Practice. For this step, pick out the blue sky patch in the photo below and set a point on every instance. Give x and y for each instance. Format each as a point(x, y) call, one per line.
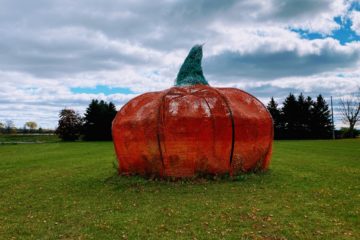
point(344, 34)
point(308, 35)
point(355, 6)
point(101, 89)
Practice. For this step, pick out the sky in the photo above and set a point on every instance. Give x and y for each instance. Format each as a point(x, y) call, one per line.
point(59, 54)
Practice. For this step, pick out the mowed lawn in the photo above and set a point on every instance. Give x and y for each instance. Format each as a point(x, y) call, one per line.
point(69, 191)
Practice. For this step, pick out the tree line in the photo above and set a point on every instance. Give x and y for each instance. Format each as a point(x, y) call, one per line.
point(94, 126)
point(8, 127)
point(298, 118)
point(301, 118)
point(304, 118)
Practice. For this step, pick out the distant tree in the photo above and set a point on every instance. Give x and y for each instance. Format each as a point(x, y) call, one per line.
point(350, 111)
point(290, 112)
point(98, 120)
point(344, 132)
point(320, 120)
point(31, 125)
point(301, 118)
point(10, 126)
point(277, 118)
point(70, 123)
point(304, 114)
point(2, 127)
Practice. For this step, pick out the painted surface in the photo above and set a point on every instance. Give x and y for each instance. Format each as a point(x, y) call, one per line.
point(193, 130)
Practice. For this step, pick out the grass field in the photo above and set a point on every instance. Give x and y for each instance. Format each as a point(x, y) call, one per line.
point(28, 138)
point(69, 191)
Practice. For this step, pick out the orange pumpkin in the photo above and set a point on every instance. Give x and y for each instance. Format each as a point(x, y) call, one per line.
point(193, 129)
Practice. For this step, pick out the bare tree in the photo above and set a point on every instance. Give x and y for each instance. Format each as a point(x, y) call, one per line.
point(10, 126)
point(2, 127)
point(350, 111)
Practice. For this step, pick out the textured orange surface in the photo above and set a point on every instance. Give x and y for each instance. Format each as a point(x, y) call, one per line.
point(193, 130)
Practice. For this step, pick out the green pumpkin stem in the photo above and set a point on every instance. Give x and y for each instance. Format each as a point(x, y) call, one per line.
point(190, 71)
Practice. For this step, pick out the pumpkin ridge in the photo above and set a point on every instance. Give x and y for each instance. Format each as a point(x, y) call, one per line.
point(159, 121)
point(226, 101)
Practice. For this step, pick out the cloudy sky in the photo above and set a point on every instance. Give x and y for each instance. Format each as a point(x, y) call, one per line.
point(63, 53)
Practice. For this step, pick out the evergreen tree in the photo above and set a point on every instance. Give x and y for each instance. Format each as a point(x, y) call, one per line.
point(301, 121)
point(277, 118)
point(98, 120)
point(70, 123)
point(290, 112)
point(321, 125)
point(301, 118)
point(310, 105)
point(304, 115)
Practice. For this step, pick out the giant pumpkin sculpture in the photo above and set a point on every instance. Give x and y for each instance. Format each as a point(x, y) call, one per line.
point(193, 129)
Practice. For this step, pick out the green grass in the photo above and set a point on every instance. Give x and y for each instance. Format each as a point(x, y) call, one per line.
point(69, 191)
point(27, 138)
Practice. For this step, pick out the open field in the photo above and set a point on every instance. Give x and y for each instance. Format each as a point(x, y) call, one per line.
point(28, 138)
point(69, 191)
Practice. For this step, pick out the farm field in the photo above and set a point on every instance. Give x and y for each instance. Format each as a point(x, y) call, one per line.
point(71, 191)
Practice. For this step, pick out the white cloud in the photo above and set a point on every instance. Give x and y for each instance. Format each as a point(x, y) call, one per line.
point(319, 16)
point(355, 18)
point(49, 47)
